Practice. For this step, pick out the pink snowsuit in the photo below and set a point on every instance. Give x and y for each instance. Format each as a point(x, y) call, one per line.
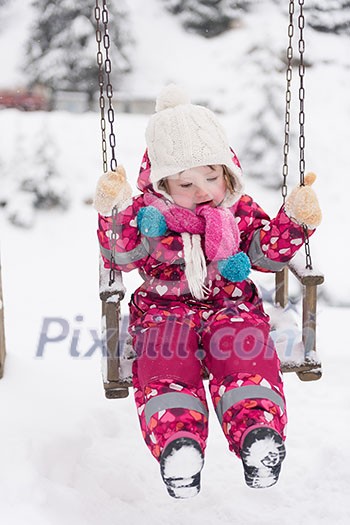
point(176, 337)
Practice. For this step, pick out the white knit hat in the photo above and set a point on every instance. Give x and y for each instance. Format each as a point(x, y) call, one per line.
point(181, 136)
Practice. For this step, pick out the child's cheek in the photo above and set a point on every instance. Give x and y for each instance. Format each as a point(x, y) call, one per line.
point(184, 201)
point(220, 195)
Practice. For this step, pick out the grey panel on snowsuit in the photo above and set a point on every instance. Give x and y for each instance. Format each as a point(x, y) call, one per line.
point(173, 400)
point(234, 396)
point(258, 258)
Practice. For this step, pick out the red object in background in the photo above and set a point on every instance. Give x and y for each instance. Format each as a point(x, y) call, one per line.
point(24, 100)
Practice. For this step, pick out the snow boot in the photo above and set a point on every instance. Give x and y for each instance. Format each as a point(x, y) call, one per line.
point(181, 463)
point(262, 453)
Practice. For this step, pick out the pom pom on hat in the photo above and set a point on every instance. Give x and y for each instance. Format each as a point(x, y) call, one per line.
point(170, 97)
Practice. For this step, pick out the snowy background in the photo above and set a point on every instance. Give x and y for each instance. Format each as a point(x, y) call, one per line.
point(69, 455)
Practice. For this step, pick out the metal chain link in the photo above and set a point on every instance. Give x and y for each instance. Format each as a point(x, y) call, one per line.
point(113, 245)
point(109, 88)
point(289, 73)
point(308, 264)
point(100, 63)
point(301, 26)
point(104, 72)
point(112, 139)
point(301, 48)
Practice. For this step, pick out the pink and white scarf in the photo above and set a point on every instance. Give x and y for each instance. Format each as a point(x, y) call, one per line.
point(221, 237)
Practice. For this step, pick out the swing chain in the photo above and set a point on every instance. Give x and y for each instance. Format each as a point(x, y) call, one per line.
point(308, 264)
point(113, 245)
point(289, 73)
point(301, 25)
point(301, 48)
point(104, 72)
point(109, 88)
point(101, 85)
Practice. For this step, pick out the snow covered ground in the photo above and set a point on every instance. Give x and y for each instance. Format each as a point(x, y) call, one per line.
point(68, 454)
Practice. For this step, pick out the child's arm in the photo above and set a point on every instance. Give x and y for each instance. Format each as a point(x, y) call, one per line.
point(271, 243)
point(134, 248)
point(130, 250)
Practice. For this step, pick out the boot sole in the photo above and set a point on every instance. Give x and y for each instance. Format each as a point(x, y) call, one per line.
point(262, 454)
point(180, 465)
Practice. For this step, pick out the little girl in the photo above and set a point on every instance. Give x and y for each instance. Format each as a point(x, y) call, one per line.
point(194, 235)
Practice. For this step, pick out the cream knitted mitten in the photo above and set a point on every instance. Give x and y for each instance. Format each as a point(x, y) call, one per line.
point(302, 204)
point(112, 190)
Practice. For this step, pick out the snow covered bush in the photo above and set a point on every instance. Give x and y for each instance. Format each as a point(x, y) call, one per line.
point(61, 49)
point(208, 18)
point(329, 16)
point(262, 150)
point(35, 184)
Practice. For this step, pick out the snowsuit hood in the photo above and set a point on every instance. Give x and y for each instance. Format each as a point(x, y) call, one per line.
point(145, 184)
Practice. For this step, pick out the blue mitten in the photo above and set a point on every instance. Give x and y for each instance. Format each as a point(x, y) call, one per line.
point(235, 268)
point(151, 222)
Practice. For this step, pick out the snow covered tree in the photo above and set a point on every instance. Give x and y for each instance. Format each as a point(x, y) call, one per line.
point(36, 184)
point(329, 16)
point(209, 18)
point(61, 50)
point(263, 150)
point(42, 178)
point(2, 4)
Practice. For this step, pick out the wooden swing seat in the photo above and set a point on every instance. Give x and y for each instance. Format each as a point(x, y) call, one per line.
point(296, 348)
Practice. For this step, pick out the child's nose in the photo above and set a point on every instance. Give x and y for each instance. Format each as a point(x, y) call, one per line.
point(202, 193)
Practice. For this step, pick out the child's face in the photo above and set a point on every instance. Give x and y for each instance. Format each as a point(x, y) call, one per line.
point(202, 185)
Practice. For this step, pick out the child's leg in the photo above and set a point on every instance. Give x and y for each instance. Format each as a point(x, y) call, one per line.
point(170, 400)
point(169, 392)
point(245, 381)
point(169, 409)
point(174, 432)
